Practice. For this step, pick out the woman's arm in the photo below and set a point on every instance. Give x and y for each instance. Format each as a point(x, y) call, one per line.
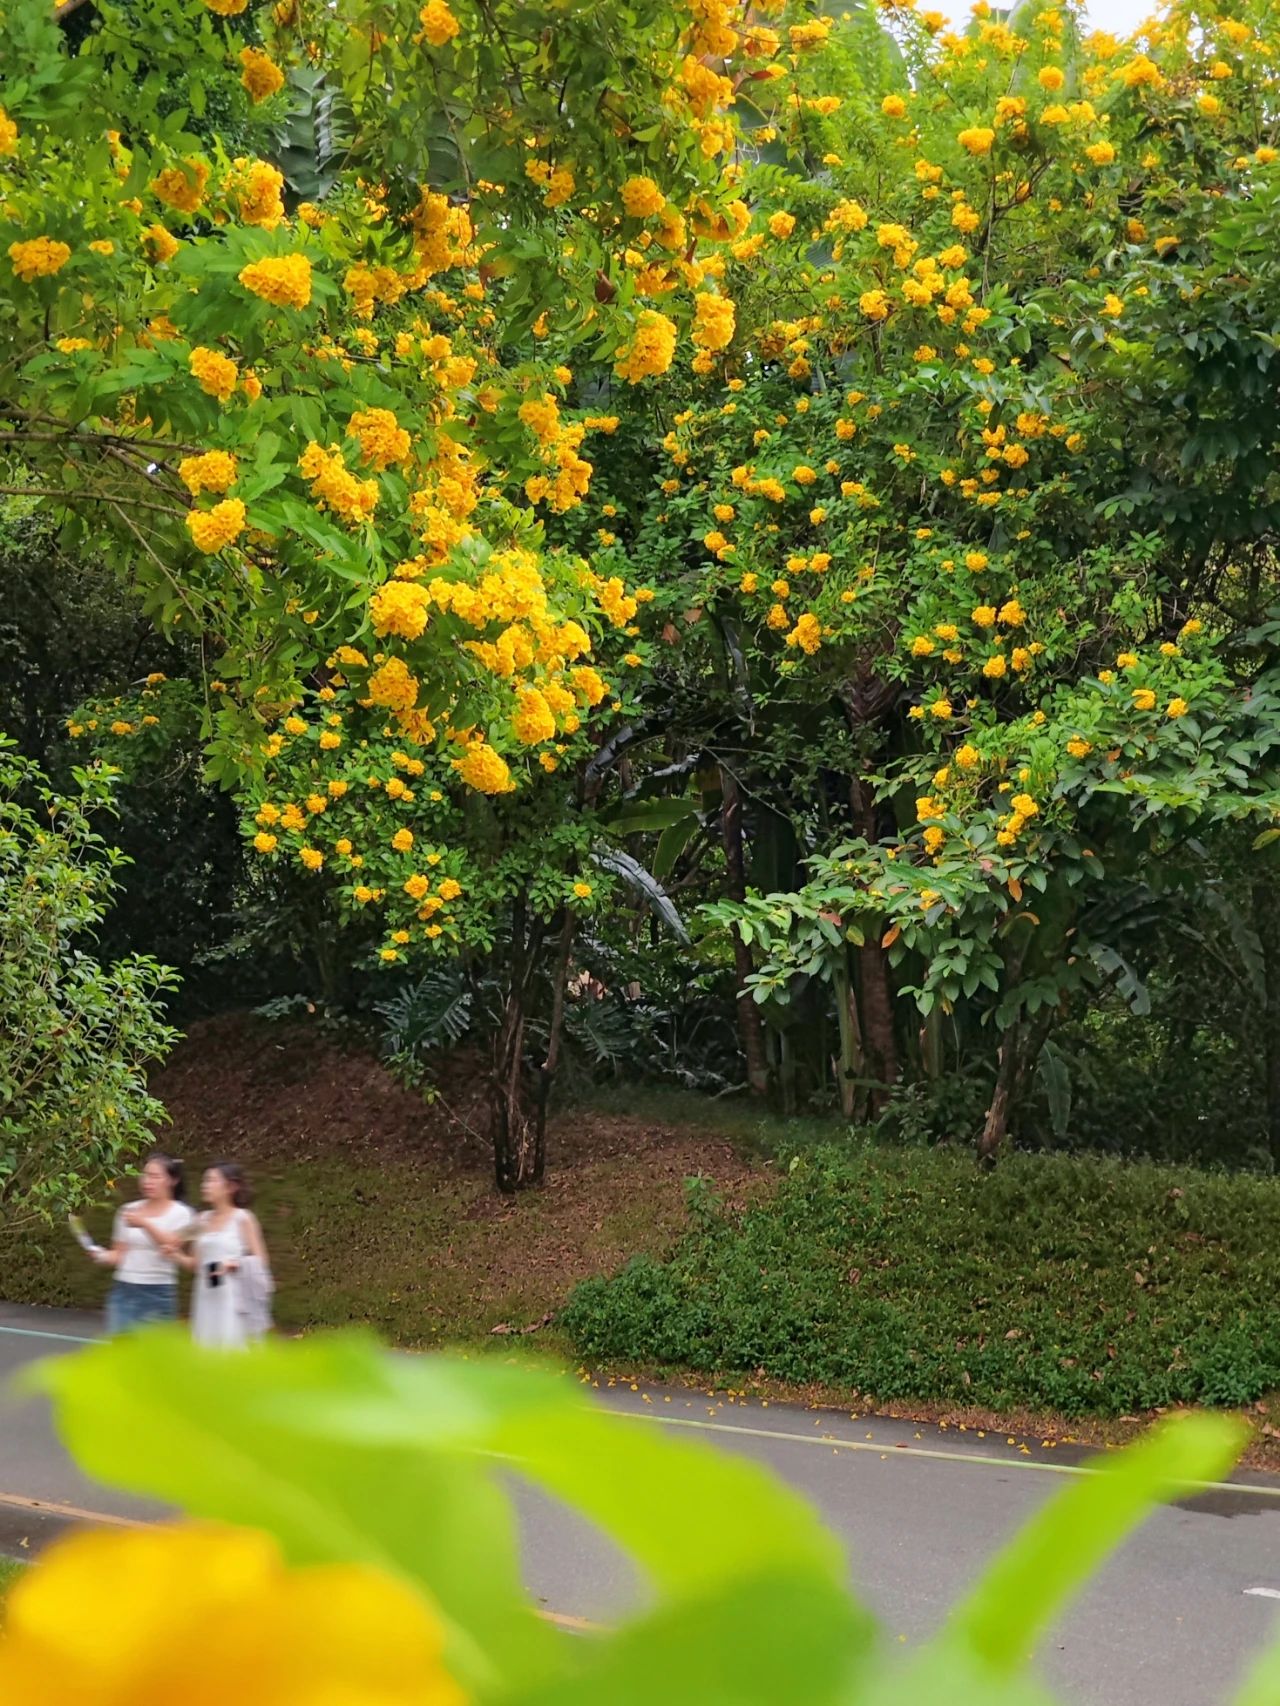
point(251, 1240)
point(257, 1243)
point(165, 1242)
point(184, 1243)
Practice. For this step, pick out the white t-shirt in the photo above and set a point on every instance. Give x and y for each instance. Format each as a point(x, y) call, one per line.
point(143, 1262)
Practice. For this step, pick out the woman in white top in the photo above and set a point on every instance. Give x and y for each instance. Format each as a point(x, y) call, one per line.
point(144, 1250)
point(230, 1300)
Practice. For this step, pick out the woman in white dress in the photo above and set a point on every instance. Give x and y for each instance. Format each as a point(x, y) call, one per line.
point(230, 1299)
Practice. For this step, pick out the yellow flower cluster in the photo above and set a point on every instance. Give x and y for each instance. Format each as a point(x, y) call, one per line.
point(159, 244)
point(257, 188)
point(8, 134)
point(400, 607)
point(214, 471)
point(383, 442)
point(807, 634)
point(217, 373)
point(394, 686)
point(485, 770)
point(214, 529)
point(283, 280)
point(182, 187)
point(557, 182)
point(649, 350)
point(334, 487)
point(713, 322)
point(345, 1631)
point(439, 26)
point(642, 198)
point(38, 257)
point(532, 720)
point(443, 234)
point(261, 76)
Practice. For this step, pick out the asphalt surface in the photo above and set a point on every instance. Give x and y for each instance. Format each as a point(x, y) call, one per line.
point(1173, 1621)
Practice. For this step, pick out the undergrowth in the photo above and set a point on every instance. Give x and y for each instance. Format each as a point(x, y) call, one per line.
point(1080, 1286)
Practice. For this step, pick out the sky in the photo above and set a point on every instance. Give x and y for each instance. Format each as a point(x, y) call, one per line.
point(1119, 16)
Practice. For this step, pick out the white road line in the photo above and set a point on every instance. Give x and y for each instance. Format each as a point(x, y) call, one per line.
point(1264, 1593)
point(832, 1442)
point(36, 1333)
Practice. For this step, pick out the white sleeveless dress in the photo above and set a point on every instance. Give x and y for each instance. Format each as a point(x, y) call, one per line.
point(216, 1316)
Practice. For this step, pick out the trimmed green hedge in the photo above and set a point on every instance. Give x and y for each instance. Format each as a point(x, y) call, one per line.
point(1074, 1285)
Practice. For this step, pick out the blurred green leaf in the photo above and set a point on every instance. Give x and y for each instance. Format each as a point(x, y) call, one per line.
point(1031, 1581)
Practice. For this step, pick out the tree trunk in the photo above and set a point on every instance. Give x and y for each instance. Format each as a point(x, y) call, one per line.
point(996, 1125)
point(1266, 921)
point(852, 1064)
point(547, 1071)
point(750, 1026)
point(519, 1144)
point(879, 1038)
point(880, 1042)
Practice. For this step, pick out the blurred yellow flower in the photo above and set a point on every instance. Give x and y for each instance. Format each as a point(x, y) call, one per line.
point(115, 1618)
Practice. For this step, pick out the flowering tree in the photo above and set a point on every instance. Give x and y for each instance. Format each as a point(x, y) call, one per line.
point(323, 435)
point(881, 410)
point(979, 498)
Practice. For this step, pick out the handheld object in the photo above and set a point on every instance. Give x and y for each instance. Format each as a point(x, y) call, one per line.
point(81, 1235)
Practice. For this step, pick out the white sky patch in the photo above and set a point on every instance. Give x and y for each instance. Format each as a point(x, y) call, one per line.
point(1119, 17)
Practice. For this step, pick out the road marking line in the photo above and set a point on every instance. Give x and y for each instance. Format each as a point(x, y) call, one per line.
point(885, 1450)
point(48, 1507)
point(827, 1440)
point(35, 1333)
point(562, 1620)
point(44, 1507)
point(1265, 1593)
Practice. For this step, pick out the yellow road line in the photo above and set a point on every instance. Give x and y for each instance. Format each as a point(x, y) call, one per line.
point(47, 1507)
point(562, 1620)
point(832, 1443)
point(74, 1513)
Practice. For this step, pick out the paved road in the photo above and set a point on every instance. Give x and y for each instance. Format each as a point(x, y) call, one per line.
point(1172, 1622)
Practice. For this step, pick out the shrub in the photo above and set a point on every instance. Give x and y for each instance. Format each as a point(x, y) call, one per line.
point(1081, 1286)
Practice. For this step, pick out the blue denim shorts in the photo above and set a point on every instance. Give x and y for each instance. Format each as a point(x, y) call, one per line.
point(130, 1305)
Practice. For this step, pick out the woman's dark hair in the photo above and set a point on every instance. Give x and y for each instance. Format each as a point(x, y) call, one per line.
point(175, 1170)
point(235, 1176)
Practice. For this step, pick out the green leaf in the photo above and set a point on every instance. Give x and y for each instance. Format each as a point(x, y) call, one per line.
point(774, 1639)
point(646, 886)
point(671, 844)
point(1032, 1579)
point(1262, 1685)
point(630, 816)
point(235, 1439)
point(623, 1473)
point(344, 1452)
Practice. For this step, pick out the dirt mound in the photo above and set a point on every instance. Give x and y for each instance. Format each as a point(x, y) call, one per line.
point(379, 1204)
point(265, 1092)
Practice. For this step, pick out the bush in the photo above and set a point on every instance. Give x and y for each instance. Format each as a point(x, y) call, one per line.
point(1081, 1286)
